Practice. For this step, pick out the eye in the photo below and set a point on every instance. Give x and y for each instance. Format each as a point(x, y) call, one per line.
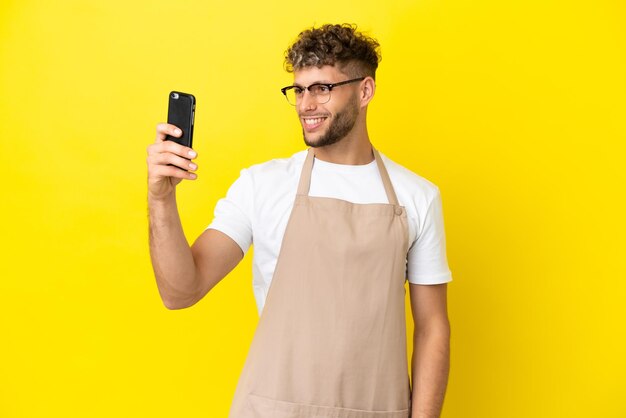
point(298, 90)
point(320, 89)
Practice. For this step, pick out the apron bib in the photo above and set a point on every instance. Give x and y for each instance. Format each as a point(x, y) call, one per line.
point(331, 339)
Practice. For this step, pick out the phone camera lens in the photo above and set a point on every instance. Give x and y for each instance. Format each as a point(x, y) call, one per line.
point(174, 95)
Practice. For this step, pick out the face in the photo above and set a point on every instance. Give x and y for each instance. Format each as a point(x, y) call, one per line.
point(328, 123)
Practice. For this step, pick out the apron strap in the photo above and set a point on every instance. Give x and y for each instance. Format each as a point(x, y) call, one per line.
point(391, 194)
point(305, 175)
point(307, 168)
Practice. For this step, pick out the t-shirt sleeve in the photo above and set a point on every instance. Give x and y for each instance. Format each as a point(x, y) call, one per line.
point(233, 213)
point(427, 262)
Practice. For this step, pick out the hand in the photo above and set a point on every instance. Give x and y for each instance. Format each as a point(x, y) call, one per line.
point(163, 178)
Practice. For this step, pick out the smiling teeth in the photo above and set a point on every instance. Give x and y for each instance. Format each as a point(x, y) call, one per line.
point(313, 121)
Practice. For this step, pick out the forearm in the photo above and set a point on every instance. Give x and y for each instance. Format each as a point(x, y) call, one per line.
point(430, 365)
point(172, 260)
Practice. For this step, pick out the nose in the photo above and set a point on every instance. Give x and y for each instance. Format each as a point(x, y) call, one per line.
point(307, 101)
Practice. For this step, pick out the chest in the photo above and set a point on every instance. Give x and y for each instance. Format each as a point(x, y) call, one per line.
point(274, 202)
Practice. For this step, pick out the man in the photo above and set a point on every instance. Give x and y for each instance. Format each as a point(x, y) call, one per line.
point(337, 229)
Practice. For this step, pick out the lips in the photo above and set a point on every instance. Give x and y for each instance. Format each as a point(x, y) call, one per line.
point(310, 123)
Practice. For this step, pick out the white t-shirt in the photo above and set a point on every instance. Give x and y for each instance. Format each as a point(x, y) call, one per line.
point(258, 204)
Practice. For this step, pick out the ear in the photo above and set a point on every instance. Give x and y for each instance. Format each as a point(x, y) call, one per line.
point(368, 88)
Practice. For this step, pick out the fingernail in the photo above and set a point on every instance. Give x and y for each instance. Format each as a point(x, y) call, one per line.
point(192, 153)
point(193, 176)
point(193, 166)
point(178, 131)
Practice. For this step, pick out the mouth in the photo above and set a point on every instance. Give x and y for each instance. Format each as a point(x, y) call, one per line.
point(312, 123)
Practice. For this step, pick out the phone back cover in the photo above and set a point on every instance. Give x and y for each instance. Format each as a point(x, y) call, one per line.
point(180, 113)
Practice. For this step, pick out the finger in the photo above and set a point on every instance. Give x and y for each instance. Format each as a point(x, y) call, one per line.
point(164, 129)
point(178, 149)
point(172, 171)
point(169, 158)
point(171, 147)
point(157, 147)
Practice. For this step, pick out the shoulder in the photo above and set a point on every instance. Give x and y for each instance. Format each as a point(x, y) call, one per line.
point(275, 178)
point(409, 184)
point(277, 166)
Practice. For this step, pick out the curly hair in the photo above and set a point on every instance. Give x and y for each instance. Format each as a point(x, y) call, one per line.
point(354, 53)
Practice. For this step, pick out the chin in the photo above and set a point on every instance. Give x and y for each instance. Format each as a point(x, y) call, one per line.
point(313, 142)
point(321, 139)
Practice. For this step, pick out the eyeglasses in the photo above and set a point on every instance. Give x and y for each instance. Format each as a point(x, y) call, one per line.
point(320, 91)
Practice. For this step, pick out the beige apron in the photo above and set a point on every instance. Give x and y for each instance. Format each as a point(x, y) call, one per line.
point(331, 339)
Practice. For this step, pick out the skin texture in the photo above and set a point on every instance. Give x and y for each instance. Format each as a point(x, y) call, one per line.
point(354, 147)
point(185, 274)
point(339, 125)
point(430, 362)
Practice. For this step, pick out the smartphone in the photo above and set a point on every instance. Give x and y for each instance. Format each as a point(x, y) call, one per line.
point(180, 112)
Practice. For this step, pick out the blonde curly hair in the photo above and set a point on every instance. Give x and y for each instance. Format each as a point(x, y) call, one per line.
point(354, 53)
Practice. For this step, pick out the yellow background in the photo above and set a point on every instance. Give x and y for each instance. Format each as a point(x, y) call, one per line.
point(515, 109)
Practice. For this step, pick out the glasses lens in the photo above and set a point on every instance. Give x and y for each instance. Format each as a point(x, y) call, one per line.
point(291, 96)
point(321, 93)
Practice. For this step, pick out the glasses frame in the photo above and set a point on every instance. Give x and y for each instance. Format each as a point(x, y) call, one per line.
point(329, 86)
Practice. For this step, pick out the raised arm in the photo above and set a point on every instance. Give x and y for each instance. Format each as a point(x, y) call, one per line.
point(183, 274)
